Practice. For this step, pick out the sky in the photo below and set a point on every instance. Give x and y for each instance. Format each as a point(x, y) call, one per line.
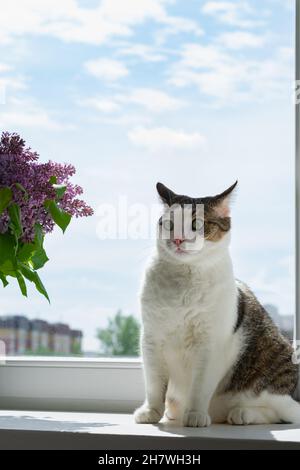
point(192, 93)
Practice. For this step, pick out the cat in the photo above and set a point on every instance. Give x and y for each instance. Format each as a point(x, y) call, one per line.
point(211, 353)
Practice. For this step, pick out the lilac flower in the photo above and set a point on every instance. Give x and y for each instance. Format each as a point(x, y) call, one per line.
point(19, 164)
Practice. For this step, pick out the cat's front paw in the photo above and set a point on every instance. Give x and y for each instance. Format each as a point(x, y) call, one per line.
point(145, 414)
point(196, 419)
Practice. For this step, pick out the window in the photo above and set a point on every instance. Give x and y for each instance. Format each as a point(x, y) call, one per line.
point(193, 94)
point(297, 184)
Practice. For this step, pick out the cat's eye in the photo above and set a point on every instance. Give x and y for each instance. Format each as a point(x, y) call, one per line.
point(168, 224)
point(197, 224)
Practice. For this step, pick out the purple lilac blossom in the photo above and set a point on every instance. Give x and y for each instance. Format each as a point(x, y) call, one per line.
point(19, 164)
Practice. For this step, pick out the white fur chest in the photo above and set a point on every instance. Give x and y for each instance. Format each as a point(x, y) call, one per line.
point(178, 301)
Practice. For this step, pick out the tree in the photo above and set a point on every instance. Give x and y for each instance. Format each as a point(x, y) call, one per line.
point(121, 337)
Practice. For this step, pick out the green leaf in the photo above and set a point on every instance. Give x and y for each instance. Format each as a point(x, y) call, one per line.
point(39, 258)
point(40, 286)
point(39, 236)
point(7, 253)
point(5, 198)
point(3, 279)
point(25, 251)
point(21, 283)
point(34, 252)
point(34, 277)
point(60, 190)
point(60, 217)
point(53, 180)
point(8, 268)
point(15, 219)
point(26, 271)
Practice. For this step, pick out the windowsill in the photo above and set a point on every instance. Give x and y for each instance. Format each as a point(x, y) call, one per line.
point(69, 430)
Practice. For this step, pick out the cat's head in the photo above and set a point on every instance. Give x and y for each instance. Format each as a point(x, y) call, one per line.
point(192, 229)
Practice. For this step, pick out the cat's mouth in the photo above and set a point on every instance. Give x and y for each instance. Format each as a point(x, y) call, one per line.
point(180, 250)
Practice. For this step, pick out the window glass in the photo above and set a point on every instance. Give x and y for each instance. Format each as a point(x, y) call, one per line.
point(193, 94)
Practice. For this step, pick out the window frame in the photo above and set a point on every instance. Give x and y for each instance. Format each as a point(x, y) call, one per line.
point(71, 384)
point(112, 384)
point(297, 187)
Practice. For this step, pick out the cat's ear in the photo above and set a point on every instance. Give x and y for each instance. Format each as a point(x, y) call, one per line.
point(221, 202)
point(167, 196)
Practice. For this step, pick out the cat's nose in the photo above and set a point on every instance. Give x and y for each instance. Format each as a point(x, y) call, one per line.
point(177, 241)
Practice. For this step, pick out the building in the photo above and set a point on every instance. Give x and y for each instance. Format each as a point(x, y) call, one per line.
point(76, 341)
point(39, 336)
point(23, 336)
point(60, 338)
point(8, 334)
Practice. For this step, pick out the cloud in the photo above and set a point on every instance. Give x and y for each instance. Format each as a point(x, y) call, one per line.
point(26, 113)
point(3, 83)
point(16, 111)
point(241, 39)
point(163, 138)
point(102, 104)
point(288, 4)
point(136, 11)
point(9, 82)
point(65, 20)
point(9, 78)
point(230, 79)
point(70, 22)
point(238, 13)
point(142, 51)
point(125, 119)
point(153, 100)
point(4, 67)
point(106, 69)
point(177, 25)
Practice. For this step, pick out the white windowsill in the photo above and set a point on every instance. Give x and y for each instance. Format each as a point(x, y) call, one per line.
point(81, 393)
point(65, 430)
